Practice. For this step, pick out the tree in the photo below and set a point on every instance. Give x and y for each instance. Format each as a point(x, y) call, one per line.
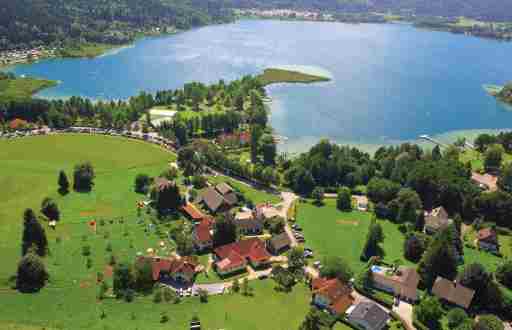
point(284, 278)
point(83, 177)
point(316, 320)
point(318, 195)
point(487, 292)
point(225, 230)
point(142, 183)
point(50, 209)
point(493, 157)
point(456, 317)
point(103, 289)
point(436, 153)
point(203, 295)
point(382, 190)
point(420, 221)
point(429, 312)
point(296, 261)
point(438, 260)
point(483, 141)
point(504, 273)
point(505, 178)
point(190, 161)
point(123, 279)
point(236, 285)
point(166, 196)
point(246, 289)
point(143, 275)
point(374, 237)
point(414, 247)
point(489, 322)
point(32, 274)
point(33, 234)
point(268, 149)
point(344, 200)
point(336, 267)
point(63, 183)
point(256, 132)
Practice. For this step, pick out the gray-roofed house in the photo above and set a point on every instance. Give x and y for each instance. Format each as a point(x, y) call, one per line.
point(228, 193)
point(436, 220)
point(250, 226)
point(453, 292)
point(279, 243)
point(368, 315)
point(212, 200)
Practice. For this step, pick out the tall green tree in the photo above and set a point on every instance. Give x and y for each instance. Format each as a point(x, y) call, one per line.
point(123, 279)
point(438, 260)
point(374, 237)
point(256, 133)
point(493, 157)
point(32, 274)
point(487, 292)
point(63, 183)
point(429, 312)
point(268, 149)
point(225, 230)
point(166, 196)
point(50, 209)
point(489, 322)
point(33, 234)
point(344, 199)
point(83, 177)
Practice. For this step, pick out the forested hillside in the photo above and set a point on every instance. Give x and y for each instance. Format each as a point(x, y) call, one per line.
point(495, 10)
point(32, 22)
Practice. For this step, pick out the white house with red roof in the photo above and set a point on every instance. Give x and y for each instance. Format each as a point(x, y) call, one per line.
point(332, 295)
point(182, 270)
point(236, 256)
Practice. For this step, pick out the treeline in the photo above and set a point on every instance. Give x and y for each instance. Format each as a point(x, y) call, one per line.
point(491, 10)
point(27, 23)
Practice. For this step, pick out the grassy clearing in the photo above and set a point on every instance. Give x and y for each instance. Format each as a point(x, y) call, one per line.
point(257, 196)
point(86, 50)
point(477, 159)
point(274, 76)
point(331, 232)
point(22, 88)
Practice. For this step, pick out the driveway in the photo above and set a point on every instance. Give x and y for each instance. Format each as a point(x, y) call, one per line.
point(404, 309)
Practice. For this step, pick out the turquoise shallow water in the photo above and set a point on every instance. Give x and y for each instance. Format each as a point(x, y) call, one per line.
point(390, 82)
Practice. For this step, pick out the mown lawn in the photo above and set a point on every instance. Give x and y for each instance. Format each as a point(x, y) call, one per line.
point(29, 170)
point(330, 232)
point(257, 196)
point(22, 88)
point(477, 159)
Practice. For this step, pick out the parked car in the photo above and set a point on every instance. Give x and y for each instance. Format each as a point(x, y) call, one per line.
point(317, 264)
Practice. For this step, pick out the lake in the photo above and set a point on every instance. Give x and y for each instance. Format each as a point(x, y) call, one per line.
point(390, 82)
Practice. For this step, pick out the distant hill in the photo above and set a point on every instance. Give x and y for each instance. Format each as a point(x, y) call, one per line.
point(32, 22)
point(490, 10)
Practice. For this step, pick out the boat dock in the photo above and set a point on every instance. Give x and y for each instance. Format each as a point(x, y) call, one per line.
point(432, 140)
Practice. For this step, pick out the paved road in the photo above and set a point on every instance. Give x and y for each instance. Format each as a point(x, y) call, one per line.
point(288, 199)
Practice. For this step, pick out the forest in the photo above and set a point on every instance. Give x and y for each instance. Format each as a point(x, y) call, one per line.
point(29, 23)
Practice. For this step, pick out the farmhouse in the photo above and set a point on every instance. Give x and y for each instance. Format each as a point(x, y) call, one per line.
point(203, 234)
point(279, 243)
point(236, 256)
point(191, 212)
point(219, 198)
point(402, 282)
point(488, 240)
point(181, 270)
point(485, 181)
point(250, 226)
point(368, 315)
point(453, 292)
point(331, 295)
point(436, 220)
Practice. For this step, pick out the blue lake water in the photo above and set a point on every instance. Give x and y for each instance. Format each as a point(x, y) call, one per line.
point(390, 82)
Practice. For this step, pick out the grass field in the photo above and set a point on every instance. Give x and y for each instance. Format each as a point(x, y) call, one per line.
point(29, 170)
point(330, 232)
point(477, 159)
point(274, 76)
point(22, 88)
point(86, 50)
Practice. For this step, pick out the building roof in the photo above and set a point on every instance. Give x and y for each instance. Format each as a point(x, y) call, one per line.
point(162, 183)
point(245, 215)
point(488, 235)
point(223, 188)
point(486, 180)
point(231, 198)
point(337, 293)
point(405, 281)
point(174, 265)
point(233, 260)
point(192, 212)
point(453, 292)
point(280, 241)
point(438, 218)
point(371, 313)
point(203, 231)
point(250, 225)
point(252, 249)
point(211, 198)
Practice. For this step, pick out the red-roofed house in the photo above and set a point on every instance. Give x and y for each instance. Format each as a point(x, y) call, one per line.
point(182, 270)
point(192, 212)
point(203, 234)
point(488, 240)
point(235, 256)
point(332, 295)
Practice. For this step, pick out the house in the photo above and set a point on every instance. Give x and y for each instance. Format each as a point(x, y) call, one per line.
point(181, 270)
point(203, 234)
point(402, 282)
point(436, 220)
point(266, 211)
point(279, 243)
point(453, 292)
point(219, 198)
point(250, 226)
point(236, 256)
point(485, 181)
point(331, 295)
point(192, 213)
point(368, 315)
point(488, 240)
point(361, 202)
